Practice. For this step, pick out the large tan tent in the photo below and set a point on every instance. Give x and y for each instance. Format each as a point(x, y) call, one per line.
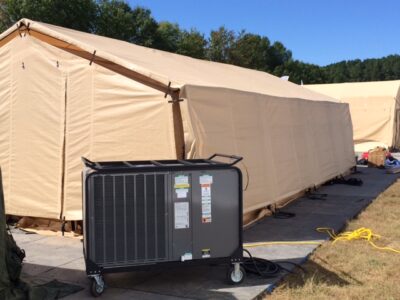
point(65, 94)
point(374, 108)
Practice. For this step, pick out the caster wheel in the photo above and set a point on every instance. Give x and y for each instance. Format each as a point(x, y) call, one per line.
point(235, 277)
point(96, 289)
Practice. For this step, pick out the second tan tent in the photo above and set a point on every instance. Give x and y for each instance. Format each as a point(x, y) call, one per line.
point(374, 108)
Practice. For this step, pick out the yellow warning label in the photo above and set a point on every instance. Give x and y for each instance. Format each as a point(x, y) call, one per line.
point(182, 186)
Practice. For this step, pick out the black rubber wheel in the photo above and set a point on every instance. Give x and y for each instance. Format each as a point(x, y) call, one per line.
point(235, 278)
point(95, 289)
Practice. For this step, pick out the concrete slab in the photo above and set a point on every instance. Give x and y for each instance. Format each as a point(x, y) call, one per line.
point(61, 258)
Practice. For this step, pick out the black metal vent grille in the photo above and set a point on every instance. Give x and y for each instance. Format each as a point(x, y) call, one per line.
point(129, 224)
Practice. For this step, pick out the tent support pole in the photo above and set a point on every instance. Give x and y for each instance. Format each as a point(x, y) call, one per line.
point(178, 125)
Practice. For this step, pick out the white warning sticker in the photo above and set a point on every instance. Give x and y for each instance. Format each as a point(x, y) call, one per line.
point(187, 256)
point(181, 210)
point(181, 182)
point(205, 191)
point(206, 179)
point(181, 193)
point(206, 209)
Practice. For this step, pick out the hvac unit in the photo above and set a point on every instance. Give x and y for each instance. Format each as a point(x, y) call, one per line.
point(140, 215)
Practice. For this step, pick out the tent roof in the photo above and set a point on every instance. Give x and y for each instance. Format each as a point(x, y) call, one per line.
point(161, 67)
point(359, 90)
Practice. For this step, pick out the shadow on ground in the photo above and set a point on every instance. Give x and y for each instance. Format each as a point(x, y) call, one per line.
point(318, 274)
point(201, 282)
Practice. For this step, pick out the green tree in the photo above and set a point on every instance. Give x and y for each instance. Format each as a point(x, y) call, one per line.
point(355, 70)
point(300, 72)
point(4, 23)
point(391, 66)
point(168, 37)
point(171, 38)
point(338, 72)
point(145, 27)
point(75, 14)
point(219, 45)
point(250, 51)
point(116, 19)
point(385, 68)
point(373, 70)
point(192, 43)
point(278, 55)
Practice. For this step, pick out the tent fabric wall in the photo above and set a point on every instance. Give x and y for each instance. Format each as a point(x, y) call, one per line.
point(289, 145)
point(32, 131)
point(5, 104)
point(374, 107)
point(106, 109)
point(57, 108)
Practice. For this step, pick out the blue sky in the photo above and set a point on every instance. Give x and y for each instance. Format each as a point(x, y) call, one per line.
point(317, 31)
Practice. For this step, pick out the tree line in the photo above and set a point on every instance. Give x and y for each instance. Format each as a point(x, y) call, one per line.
point(117, 19)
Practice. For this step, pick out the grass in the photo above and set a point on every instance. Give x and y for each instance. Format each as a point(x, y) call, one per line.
point(353, 270)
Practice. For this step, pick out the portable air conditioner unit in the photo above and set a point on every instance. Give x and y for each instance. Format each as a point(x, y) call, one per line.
point(140, 215)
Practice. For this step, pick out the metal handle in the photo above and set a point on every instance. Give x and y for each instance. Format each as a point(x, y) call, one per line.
point(88, 163)
point(235, 158)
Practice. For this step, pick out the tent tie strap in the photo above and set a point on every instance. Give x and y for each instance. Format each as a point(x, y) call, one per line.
point(92, 58)
point(19, 29)
point(177, 100)
point(27, 29)
point(168, 91)
point(22, 28)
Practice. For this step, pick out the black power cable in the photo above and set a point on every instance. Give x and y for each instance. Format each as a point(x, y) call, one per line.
point(341, 180)
point(264, 267)
point(278, 214)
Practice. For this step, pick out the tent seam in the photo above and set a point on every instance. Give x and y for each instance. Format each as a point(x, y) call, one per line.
point(63, 148)
point(10, 122)
point(91, 109)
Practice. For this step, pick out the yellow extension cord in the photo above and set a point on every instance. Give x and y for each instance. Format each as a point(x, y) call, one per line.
point(252, 245)
point(358, 234)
